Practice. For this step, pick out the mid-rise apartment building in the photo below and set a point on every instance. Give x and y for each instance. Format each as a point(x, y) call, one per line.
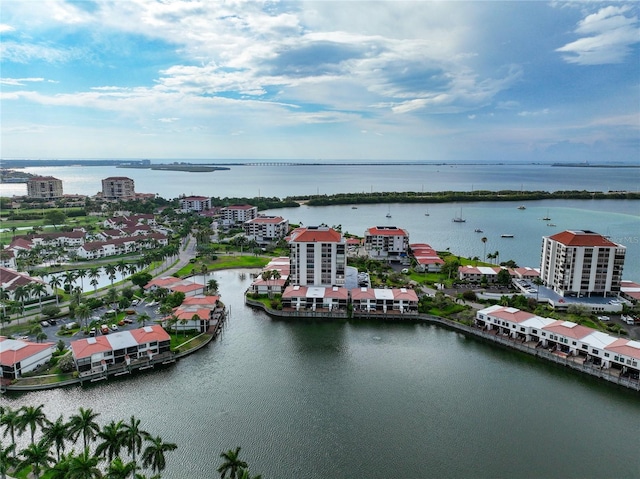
point(44, 187)
point(317, 256)
point(386, 242)
point(195, 203)
point(582, 263)
point(118, 187)
point(238, 214)
point(266, 229)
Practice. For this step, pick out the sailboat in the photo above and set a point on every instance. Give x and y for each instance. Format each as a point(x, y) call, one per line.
point(547, 218)
point(388, 215)
point(459, 219)
point(426, 213)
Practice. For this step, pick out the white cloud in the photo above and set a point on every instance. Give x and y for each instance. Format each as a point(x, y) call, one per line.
point(610, 36)
point(4, 28)
point(19, 81)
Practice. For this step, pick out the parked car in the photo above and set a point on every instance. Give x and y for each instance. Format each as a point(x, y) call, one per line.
point(44, 324)
point(104, 329)
point(128, 320)
point(114, 327)
point(135, 302)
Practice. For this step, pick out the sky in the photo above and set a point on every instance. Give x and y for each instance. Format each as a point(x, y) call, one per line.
point(463, 81)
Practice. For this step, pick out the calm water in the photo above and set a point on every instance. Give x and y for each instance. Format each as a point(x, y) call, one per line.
point(363, 400)
point(282, 181)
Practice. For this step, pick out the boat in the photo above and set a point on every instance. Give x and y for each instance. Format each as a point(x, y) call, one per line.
point(354, 207)
point(551, 224)
point(477, 230)
point(459, 219)
point(388, 215)
point(522, 207)
point(546, 218)
point(426, 213)
point(506, 236)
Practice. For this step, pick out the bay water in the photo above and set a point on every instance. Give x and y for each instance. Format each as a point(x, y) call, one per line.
point(351, 399)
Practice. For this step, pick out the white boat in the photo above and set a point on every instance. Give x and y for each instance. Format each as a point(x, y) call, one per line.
point(459, 219)
point(477, 230)
point(522, 207)
point(388, 215)
point(506, 236)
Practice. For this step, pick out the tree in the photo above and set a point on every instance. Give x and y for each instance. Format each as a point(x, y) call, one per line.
point(111, 296)
point(32, 417)
point(51, 311)
point(7, 459)
point(143, 318)
point(232, 464)
point(133, 438)
point(10, 420)
point(83, 313)
point(484, 244)
point(110, 271)
point(141, 279)
point(82, 273)
point(119, 470)
point(55, 218)
point(84, 422)
point(112, 437)
point(37, 456)
point(84, 466)
point(94, 274)
point(56, 434)
point(39, 289)
point(154, 454)
point(212, 286)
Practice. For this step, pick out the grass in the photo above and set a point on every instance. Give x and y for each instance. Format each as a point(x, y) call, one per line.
point(225, 262)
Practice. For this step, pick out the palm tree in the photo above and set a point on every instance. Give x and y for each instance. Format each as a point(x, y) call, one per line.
point(55, 282)
point(143, 318)
point(110, 271)
point(37, 456)
point(84, 466)
point(134, 437)
point(484, 244)
point(39, 289)
point(112, 436)
point(84, 423)
point(232, 464)
point(119, 470)
point(19, 294)
point(10, 420)
point(56, 433)
point(83, 313)
point(212, 285)
point(7, 459)
point(94, 274)
point(60, 469)
point(112, 296)
point(81, 273)
point(32, 417)
point(244, 474)
point(154, 454)
point(69, 277)
point(122, 269)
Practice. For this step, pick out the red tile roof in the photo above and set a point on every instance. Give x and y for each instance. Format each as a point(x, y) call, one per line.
point(387, 231)
point(13, 351)
point(316, 235)
point(582, 238)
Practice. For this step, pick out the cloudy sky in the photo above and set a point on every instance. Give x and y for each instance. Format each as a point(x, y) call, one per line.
point(381, 80)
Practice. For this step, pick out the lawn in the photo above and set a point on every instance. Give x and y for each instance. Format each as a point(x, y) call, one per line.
point(226, 262)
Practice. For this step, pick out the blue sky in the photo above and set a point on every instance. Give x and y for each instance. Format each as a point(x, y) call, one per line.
point(435, 81)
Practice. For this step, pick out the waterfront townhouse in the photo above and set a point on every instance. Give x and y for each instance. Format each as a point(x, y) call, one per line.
point(123, 349)
point(315, 298)
point(582, 263)
point(118, 188)
point(386, 242)
point(196, 313)
point(44, 187)
point(630, 291)
point(565, 338)
point(273, 277)
point(426, 258)
point(317, 256)
point(195, 203)
point(18, 357)
point(394, 300)
point(266, 229)
point(172, 284)
point(238, 214)
point(476, 274)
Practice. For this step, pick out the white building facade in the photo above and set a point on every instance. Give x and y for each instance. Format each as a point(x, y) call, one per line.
point(386, 242)
point(265, 229)
point(582, 263)
point(317, 256)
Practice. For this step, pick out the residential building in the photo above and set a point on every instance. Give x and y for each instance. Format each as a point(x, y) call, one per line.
point(195, 203)
point(118, 187)
point(11, 279)
point(238, 214)
point(199, 313)
point(132, 348)
point(426, 258)
point(317, 256)
point(45, 187)
point(398, 300)
point(172, 284)
point(386, 242)
point(582, 263)
point(315, 298)
point(266, 229)
point(18, 357)
point(273, 277)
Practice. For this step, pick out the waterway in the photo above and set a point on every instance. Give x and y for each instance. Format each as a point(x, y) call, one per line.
point(329, 400)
